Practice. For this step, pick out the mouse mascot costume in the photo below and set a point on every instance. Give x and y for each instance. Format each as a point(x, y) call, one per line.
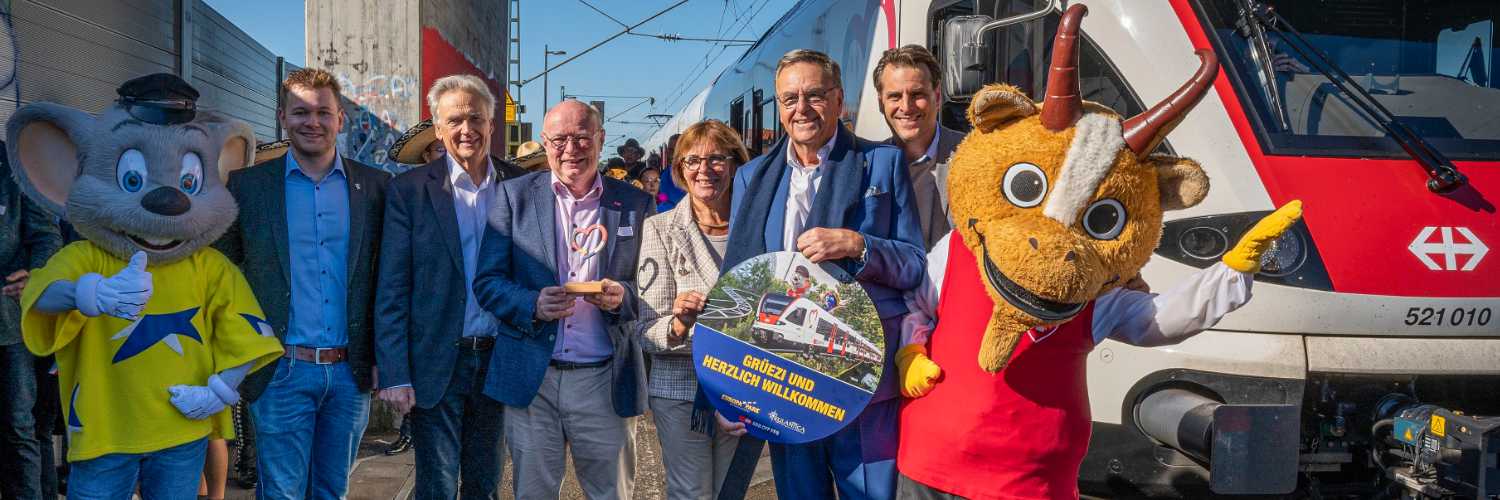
point(152, 329)
point(1056, 205)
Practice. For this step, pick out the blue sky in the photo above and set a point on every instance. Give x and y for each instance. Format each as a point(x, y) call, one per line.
point(628, 66)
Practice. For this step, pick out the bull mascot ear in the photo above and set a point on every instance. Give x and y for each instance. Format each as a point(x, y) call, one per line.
point(1180, 181)
point(999, 104)
point(45, 144)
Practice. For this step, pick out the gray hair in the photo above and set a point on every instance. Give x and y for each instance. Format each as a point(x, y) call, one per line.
point(467, 83)
point(819, 59)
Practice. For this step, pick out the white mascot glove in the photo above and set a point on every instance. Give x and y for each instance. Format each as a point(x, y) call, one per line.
point(198, 402)
point(123, 295)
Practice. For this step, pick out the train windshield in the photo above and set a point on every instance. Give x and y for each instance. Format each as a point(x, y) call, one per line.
point(1432, 63)
point(774, 303)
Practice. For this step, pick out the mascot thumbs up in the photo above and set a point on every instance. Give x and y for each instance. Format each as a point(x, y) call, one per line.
point(153, 331)
point(1056, 204)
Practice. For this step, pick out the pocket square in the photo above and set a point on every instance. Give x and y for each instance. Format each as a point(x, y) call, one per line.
point(873, 191)
point(626, 232)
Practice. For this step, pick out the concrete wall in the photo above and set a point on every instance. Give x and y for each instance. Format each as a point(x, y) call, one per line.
point(474, 27)
point(468, 36)
point(374, 47)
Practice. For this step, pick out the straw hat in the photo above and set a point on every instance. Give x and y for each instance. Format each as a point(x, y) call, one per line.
point(267, 151)
point(409, 148)
point(529, 155)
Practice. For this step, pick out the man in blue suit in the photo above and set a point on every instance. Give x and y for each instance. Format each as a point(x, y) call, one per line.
point(837, 198)
point(566, 364)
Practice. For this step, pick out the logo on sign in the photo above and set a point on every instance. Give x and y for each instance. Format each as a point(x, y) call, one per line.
point(1444, 244)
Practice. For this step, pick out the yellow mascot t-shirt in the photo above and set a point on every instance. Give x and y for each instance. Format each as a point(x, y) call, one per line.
point(113, 373)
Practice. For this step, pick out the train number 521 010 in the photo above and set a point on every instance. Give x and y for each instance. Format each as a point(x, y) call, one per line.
point(1442, 316)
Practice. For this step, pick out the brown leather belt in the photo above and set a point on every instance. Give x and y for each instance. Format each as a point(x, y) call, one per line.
point(317, 355)
point(476, 343)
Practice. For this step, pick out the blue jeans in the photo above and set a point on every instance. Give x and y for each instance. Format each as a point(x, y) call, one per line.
point(308, 424)
point(170, 474)
point(459, 437)
point(858, 460)
point(20, 454)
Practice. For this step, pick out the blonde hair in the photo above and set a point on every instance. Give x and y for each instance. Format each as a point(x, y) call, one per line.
point(467, 83)
point(717, 134)
point(311, 78)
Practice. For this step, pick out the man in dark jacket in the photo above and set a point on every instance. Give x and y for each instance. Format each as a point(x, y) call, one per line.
point(306, 238)
point(433, 339)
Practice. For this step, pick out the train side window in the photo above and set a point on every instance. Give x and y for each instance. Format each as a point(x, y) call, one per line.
point(737, 115)
point(825, 328)
point(796, 317)
point(757, 122)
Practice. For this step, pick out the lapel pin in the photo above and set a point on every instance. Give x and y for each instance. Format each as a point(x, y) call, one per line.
point(356, 186)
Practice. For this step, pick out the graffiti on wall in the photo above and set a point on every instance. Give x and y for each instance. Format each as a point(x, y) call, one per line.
point(374, 117)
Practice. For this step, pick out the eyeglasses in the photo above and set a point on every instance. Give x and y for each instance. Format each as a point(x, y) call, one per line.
point(694, 163)
point(816, 98)
point(561, 142)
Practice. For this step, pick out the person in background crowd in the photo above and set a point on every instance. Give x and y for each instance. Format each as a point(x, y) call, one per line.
point(530, 156)
point(686, 245)
point(571, 374)
point(778, 205)
point(631, 153)
point(907, 80)
point(651, 183)
point(305, 236)
point(28, 237)
point(434, 341)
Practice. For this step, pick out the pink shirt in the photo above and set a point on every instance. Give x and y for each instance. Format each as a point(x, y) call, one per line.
point(581, 338)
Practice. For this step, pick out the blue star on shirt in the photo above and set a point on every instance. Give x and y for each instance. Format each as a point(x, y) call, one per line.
point(153, 328)
point(259, 325)
point(74, 424)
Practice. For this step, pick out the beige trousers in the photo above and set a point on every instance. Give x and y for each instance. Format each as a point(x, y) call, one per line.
point(572, 412)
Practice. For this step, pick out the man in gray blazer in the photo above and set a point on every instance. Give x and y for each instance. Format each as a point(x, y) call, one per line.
point(306, 237)
point(907, 80)
point(28, 237)
point(566, 365)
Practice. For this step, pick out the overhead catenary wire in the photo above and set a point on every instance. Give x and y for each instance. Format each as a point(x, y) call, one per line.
point(604, 41)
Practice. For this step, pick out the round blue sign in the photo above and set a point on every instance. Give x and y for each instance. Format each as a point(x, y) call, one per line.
point(791, 348)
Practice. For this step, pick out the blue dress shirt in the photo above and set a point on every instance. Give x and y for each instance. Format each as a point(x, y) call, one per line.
point(317, 222)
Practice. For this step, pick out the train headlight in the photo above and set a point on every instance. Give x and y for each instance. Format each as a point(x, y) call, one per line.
point(1284, 256)
point(1201, 241)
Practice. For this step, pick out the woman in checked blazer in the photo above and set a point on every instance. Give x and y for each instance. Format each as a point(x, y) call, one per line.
point(679, 262)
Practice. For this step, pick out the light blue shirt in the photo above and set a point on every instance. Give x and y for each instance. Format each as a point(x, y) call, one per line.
point(471, 204)
point(317, 223)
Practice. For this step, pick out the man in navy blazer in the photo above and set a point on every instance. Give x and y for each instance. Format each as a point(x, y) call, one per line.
point(837, 198)
point(566, 366)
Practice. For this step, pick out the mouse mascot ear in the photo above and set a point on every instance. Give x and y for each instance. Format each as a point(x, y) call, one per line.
point(238, 140)
point(44, 143)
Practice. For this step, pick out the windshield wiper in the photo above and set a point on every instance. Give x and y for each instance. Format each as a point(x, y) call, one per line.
point(1443, 176)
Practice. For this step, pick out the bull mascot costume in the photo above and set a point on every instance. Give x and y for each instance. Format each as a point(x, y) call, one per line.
point(1056, 204)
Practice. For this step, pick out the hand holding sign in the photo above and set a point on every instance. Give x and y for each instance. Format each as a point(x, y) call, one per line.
point(587, 242)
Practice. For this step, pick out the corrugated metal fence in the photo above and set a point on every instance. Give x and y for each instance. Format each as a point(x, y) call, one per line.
point(76, 52)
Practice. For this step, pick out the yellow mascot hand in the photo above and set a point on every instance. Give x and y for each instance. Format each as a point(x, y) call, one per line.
point(1245, 256)
point(918, 372)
